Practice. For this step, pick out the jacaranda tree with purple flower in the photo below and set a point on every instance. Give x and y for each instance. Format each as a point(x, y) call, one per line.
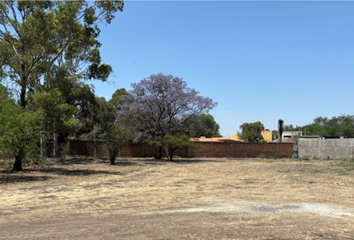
point(163, 107)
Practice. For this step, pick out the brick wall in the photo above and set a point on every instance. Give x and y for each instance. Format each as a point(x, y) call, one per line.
point(203, 149)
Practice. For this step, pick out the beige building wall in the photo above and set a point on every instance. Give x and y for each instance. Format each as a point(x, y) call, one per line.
point(267, 136)
point(235, 137)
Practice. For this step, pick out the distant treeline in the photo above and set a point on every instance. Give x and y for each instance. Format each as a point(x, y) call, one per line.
point(341, 126)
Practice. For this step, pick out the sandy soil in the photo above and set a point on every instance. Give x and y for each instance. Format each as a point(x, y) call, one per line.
point(84, 198)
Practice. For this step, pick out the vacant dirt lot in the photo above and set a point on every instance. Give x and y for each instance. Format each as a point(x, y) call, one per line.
point(84, 198)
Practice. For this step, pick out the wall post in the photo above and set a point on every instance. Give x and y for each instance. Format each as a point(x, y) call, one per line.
point(211, 149)
point(95, 148)
point(278, 149)
point(341, 148)
point(245, 149)
point(228, 149)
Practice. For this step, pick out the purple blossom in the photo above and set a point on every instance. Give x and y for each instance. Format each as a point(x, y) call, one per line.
point(163, 104)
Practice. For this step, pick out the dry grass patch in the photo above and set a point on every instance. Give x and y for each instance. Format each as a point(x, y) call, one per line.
point(186, 199)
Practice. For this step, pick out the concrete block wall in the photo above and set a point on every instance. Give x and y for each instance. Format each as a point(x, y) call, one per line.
point(326, 148)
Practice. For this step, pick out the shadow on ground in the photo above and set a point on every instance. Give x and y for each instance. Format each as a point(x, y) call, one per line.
point(125, 163)
point(35, 173)
point(77, 172)
point(187, 161)
point(17, 178)
point(77, 160)
point(179, 161)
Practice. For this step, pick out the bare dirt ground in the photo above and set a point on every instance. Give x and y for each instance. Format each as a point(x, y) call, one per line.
point(85, 198)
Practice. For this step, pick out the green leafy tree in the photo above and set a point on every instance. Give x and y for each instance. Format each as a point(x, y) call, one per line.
point(121, 131)
point(42, 42)
point(118, 98)
point(117, 136)
point(19, 131)
point(251, 132)
point(38, 39)
point(109, 126)
point(330, 127)
point(101, 114)
point(66, 110)
point(289, 127)
point(207, 126)
point(57, 111)
point(174, 142)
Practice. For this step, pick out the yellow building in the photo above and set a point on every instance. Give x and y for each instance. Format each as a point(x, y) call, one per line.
point(235, 137)
point(267, 136)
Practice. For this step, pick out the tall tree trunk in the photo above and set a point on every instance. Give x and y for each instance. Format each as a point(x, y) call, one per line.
point(23, 83)
point(159, 154)
point(23, 96)
point(113, 152)
point(44, 141)
point(55, 145)
point(18, 164)
point(170, 153)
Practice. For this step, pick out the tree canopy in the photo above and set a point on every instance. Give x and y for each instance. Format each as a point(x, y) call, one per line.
point(19, 130)
point(208, 126)
point(110, 125)
point(251, 132)
point(46, 49)
point(163, 105)
point(45, 41)
point(341, 126)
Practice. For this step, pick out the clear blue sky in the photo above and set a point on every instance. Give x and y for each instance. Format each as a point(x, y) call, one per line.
point(261, 61)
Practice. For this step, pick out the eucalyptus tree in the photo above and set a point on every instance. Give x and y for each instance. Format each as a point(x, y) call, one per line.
point(162, 105)
point(46, 42)
point(100, 115)
point(66, 107)
point(38, 38)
